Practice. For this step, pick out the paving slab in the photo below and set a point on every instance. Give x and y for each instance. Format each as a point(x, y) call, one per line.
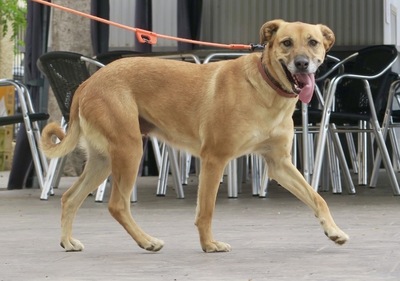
point(275, 238)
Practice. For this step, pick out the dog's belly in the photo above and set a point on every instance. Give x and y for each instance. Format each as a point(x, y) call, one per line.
point(180, 140)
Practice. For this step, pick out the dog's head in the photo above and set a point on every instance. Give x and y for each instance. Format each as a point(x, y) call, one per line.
point(294, 51)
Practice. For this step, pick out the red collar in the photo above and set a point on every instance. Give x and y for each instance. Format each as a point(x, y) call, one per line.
point(273, 83)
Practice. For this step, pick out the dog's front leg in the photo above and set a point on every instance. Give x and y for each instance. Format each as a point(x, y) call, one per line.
point(286, 174)
point(210, 175)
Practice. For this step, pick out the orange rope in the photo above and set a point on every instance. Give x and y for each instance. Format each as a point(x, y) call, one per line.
point(145, 36)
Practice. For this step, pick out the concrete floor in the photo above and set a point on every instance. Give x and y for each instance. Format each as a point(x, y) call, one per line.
point(276, 238)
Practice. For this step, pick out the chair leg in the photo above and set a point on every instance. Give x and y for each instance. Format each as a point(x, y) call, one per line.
point(377, 162)
point(232, 179)
point(305, 142)
point(169, 160)
point(294, 150)
point(378, 155)
point(175, 172)
point(35, 157)
point(343, 163)
point(319, 155)
point(49, 178)
point(387, 121)
point(163, 172)
point(184, 165)
point(310, 155)
point(323, 131)
point(395, 147)
point(156, 151)
point(246, 169)
point(352, 152)
point(134, 193)
point(386, 161)
point(259, 176)
point(264, 182)
point(382, 147)
point(100, 191)
point(362, 155)
point(53, 177)
point(334, 169)
point(256, 174)
point(240, 165)
point(32, 130)
point(326, 174)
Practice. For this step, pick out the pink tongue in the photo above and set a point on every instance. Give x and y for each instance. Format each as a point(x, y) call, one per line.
point(306, 93)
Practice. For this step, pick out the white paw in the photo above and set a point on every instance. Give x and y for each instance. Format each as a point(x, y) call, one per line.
point(337, 236)
point(152, 244)
point(72, 245)
point(216, 246)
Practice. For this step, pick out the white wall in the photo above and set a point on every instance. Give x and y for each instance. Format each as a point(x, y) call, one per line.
point(391, 27)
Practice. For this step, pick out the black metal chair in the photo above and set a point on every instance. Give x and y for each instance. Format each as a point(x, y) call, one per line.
point(65, 71)
point(391, 121)
point(355, 100)
point(31, 119)
point(306, 119)
point(108, 57)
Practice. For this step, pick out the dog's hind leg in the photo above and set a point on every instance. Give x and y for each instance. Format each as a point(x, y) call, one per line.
point(125, 158)
point(211, 171)
point(97, 169)
point(285, 173)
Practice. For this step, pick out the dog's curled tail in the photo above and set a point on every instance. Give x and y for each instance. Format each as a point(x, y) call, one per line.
point(67, 141)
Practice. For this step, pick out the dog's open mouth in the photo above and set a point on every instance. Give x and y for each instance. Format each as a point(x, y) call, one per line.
point(302, 84)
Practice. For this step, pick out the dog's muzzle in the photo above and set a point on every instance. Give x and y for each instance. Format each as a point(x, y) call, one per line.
point(302, 81)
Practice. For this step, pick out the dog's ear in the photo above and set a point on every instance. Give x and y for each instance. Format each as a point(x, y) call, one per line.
point(329, 37)
point(268, 31)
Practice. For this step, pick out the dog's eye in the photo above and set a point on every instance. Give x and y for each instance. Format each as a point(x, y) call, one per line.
point(313, 43)
point(287, 43)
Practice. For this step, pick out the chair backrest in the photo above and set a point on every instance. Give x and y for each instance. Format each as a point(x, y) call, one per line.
point(351, 95)
point(65, 72)
point(325, 72)
point(111, 56)
point(108, 57)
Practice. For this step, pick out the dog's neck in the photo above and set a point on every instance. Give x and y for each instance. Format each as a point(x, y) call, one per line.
point(273, 83)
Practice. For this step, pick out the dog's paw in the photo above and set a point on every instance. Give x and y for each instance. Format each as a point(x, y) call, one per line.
point(216, 246)
point(337, 236)
point(72, 245)
point(152, 244)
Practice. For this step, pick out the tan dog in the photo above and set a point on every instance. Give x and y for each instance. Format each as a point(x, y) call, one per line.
point(217, 111)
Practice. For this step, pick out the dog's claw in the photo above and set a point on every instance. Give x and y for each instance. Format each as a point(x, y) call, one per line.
point(216, 246)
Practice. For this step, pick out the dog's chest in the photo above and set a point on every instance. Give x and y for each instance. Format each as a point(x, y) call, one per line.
point(266, 133)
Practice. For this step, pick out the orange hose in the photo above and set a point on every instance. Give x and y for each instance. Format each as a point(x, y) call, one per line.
point(145, 36)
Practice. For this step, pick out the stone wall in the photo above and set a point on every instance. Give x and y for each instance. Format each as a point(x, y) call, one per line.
point(69, 32)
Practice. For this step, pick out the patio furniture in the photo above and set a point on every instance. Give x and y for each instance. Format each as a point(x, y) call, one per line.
point(31, 119)
point(65, 71)
point(354, 99)
point(391, 121)
point(307, 120)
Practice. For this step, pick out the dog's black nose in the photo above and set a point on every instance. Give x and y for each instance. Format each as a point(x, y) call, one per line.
point(301, 63)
